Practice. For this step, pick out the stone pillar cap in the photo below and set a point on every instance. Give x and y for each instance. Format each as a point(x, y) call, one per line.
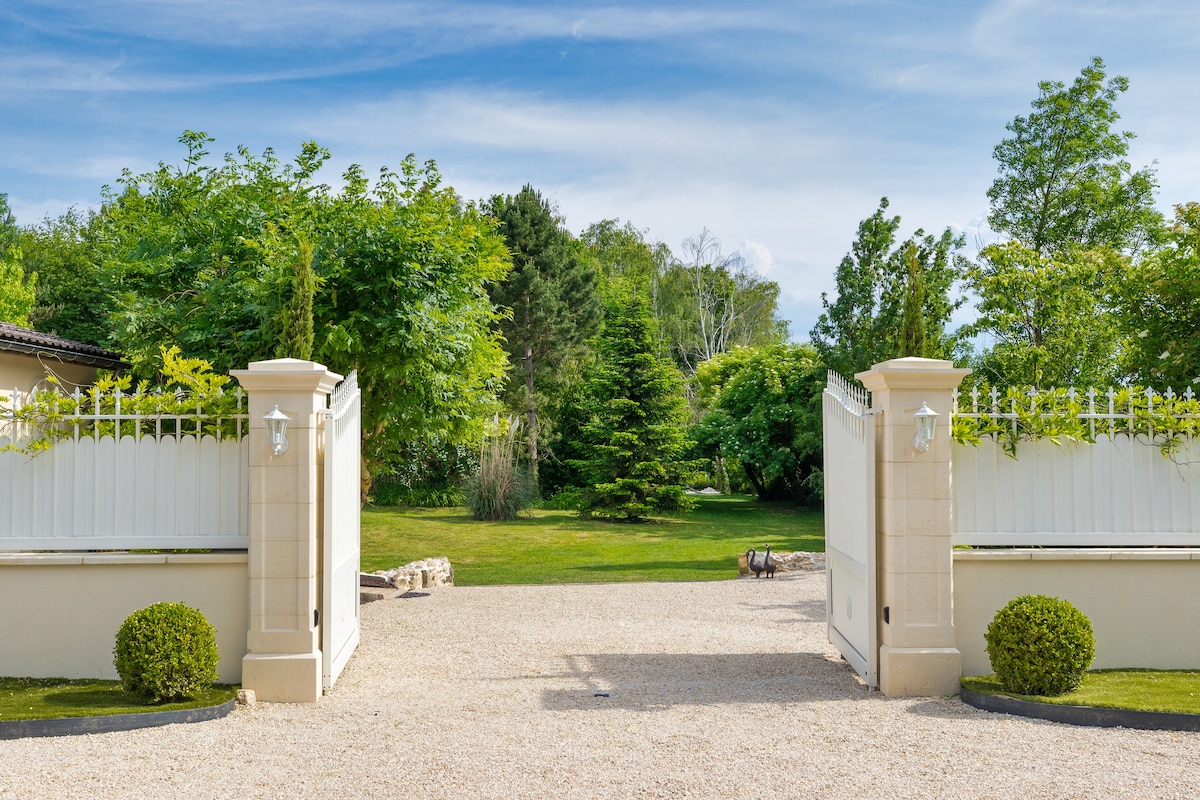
point(913, 373)
point(286, 365)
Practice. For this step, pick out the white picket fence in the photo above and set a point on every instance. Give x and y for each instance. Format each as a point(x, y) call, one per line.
point(1119, 491)
point(124, 480)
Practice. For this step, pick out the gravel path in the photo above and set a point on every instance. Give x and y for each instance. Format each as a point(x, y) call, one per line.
point(714, 690)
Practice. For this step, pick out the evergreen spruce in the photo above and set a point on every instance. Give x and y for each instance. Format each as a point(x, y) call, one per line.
point(632, 441)
point(552, 295)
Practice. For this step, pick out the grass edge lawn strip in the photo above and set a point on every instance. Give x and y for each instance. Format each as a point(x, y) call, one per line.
point(110, 723)
point(983, 692)
point(24, 699)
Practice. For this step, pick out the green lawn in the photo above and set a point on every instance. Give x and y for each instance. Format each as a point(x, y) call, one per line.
point(48, 698)
point(1176, 691)
point(559, 547)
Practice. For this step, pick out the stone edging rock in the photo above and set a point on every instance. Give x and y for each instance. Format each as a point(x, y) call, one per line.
point(427, 573)
point(1082, 715)
point(74, 726)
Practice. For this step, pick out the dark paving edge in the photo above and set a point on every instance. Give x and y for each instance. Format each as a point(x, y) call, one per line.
point(1083, 715)
point(75, 726)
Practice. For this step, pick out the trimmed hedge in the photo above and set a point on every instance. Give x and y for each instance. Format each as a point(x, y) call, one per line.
point(166, 651)
point(1040, 645)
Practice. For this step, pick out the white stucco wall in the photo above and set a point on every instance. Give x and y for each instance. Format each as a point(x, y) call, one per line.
point(1142, 602)
point(62, 611)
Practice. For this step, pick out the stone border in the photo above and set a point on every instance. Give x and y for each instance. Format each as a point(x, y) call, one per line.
point(74, 726)
point(1082, 715)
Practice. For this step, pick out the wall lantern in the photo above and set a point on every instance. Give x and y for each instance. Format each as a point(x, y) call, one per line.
point(276, 431)
point(926, 425)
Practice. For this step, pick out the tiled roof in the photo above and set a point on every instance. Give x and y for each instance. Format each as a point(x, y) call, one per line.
point(16, 339)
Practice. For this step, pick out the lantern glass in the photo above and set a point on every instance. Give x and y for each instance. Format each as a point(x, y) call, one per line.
point(926, 420)
point(277, 431)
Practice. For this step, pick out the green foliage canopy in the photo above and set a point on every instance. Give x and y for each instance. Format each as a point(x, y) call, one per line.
point(1046, 316)
point(72, 299)
point(206, 257)
point(883, 291)
point(1157, 304)
point(764, 409)
point(17, 289)
point(1063, 181)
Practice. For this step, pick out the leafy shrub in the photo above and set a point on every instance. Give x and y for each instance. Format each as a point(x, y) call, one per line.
point(568, 498)
point(394, 493)
point(501, 489)
point(1040, 645)
point(166, 651)
point(424, 475)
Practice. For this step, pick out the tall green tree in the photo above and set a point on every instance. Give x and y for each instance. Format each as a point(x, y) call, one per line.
point(878, 282)
point(913, 337)
point(10, 232)
point(763, 408)
point(1046, 318)
point(551, 298)
point(205, 257)
point(296, 324)
point(1157, 304)
point(73, 300)
point(634, 414)
point(622, 254)
point(192, 255)
point(1071, 206)
point(404, 301)
point(1063, 179)
point(17, 290)
point(710, 302)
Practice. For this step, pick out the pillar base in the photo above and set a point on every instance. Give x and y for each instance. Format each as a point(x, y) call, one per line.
point(283, 678)
point(919, 671)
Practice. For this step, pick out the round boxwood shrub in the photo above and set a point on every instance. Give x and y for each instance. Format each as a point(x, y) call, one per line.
point(1040, 645)
point(166, 651)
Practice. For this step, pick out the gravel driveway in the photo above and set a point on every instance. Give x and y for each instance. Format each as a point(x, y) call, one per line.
point(705, 690)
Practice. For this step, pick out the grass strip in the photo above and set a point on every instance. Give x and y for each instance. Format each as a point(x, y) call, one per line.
point(1170, 691)
point(56, 698)
point(545, 547)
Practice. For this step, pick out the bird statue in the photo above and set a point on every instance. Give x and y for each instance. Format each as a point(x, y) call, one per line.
point(760, 563)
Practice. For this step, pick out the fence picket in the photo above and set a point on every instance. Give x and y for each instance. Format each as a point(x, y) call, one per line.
point(1119, 491)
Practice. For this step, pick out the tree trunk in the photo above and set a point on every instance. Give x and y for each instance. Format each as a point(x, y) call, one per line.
point(530, 411)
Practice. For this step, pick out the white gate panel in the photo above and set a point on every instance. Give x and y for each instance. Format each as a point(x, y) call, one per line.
point(341, 547)
point(849, 441)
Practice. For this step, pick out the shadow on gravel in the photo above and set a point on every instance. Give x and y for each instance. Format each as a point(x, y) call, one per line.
point(805, 611)
point(650, 681)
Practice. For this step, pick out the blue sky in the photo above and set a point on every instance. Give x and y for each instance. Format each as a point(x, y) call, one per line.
point(775, 125)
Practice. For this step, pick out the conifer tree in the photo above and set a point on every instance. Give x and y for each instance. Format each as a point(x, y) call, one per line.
point(552, 295)
point(632, 438)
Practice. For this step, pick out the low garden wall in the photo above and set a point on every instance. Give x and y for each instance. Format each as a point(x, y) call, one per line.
point(1142, 602)
point(64, 609)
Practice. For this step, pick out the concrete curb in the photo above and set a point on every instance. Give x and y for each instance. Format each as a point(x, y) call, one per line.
point(75, 726)
point(1083, 715)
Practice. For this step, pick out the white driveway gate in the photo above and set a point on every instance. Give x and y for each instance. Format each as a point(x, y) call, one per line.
point(341, 548)
point(849, 437)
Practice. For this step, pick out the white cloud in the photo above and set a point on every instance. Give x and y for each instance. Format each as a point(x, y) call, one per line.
point(757, 256)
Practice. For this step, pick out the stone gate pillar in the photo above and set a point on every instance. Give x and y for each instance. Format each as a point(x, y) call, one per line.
point(917, 653)
point(283, 656)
